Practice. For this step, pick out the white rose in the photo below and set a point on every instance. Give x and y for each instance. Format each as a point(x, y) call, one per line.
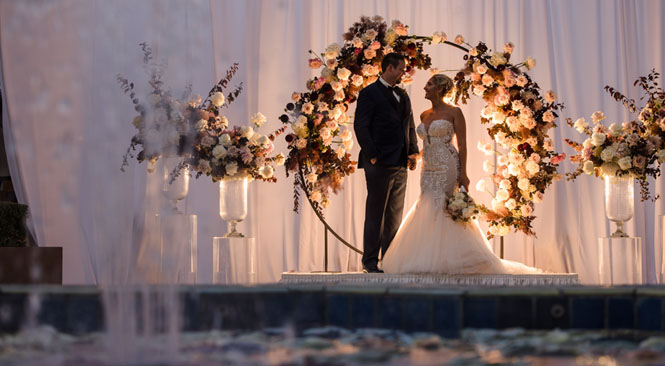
point(202, 125)
point(247, 131)
point(498, 59)
point(357, 42)
point(481, 186)
point(333, 50)
point(456, 205)
point(225, 140)
point(488, 166)
point(521, 80)
point(439, 37)
point(307, 108)
point(523, 184)
point(217, 99)
point(219, 152)
point(609, 169)
point(607, 154)
point(615, 129)
point(530, 63)
point(548, 116)
point(468, 212)
point(497, 205)
point(513, 169)
point(625, 163)
point(343, 73)
point(311, 177)
point(266, 171)
point(223, 122)
point(587, 143)
point(532, 167)
point(502, 195)
point(503, 230)
point(487, 80)
point(315, 195)
point(538, 197)
point(588, 167)
point(581, 124)
point(279, 159)
point(340, 152)
point(526, 210)
point(598, 139)
point(231, 168)
point(511, 204)
point(505, 184)
point(550, 96)
point(597, 116)
point(301, 143)
point(258, 119)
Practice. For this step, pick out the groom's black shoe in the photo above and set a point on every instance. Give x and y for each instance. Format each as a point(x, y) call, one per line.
point(372, 270)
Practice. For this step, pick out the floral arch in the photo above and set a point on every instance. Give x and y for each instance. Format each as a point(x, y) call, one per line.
point(519, 115)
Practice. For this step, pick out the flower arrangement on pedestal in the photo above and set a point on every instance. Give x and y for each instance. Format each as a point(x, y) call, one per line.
point(195, 130)
point(233, 153)
point(635, 148)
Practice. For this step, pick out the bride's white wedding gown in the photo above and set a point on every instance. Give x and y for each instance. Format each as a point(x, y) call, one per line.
point(428, 240)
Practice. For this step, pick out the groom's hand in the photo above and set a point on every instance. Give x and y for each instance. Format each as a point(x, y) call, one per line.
point(413, 161)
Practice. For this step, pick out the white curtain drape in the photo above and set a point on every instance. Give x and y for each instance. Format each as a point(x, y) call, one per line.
point(69, 124)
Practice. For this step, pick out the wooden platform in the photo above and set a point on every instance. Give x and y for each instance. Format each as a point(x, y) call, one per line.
point(351, 278)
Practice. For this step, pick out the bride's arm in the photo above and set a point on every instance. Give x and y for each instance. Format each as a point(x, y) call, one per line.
point(460, 131)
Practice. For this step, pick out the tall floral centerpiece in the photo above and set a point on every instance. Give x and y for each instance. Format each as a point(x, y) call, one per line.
point(624, 152)
point(233, 157)
point(193, 135)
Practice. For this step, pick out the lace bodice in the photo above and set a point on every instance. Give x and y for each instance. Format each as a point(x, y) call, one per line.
point(440, 169)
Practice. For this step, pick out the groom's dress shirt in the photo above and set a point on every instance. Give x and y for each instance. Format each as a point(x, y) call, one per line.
point(395, 94)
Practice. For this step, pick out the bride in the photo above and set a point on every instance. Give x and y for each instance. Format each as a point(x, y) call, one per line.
point(428, 240)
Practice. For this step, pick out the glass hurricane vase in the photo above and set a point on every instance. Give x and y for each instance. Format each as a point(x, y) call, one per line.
point(174, 188)
point(233, 204)
point(619, 201)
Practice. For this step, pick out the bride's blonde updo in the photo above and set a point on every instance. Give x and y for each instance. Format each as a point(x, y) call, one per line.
point(444, 82)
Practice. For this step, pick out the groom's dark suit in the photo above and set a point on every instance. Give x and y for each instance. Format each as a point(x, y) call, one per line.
point(385, 131)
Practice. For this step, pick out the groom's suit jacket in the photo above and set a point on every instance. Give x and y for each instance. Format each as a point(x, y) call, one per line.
point(384, 127)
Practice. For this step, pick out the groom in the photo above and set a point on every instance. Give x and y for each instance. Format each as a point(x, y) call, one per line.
point(386, 133)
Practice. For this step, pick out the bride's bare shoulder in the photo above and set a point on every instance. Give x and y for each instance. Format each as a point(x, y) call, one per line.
point(425, 115)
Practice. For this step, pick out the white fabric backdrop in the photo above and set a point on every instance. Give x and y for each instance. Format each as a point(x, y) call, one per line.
point(69, 123)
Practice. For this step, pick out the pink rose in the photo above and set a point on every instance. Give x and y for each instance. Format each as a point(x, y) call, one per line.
point(559, 158)
point(315, 63)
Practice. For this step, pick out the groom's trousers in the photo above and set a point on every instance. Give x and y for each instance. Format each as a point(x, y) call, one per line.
point(386, 188)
